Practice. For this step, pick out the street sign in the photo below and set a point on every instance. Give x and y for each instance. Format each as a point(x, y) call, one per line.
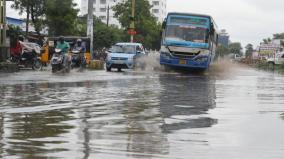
point(131, 32)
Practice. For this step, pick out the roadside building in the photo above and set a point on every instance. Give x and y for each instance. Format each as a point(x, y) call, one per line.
point(103, 10)
point(269, 50)
point(277, 41)
point(16, 22)
point(255, 55)
point(22, 24)
point(159, 9)
point(224, 38)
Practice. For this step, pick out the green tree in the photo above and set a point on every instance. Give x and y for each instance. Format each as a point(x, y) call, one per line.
point(249, 50)
point(35, 9)
point(104, 36)
point(61, 17)
point(267, 41)
point(282, 43)
point(235, 48)
point(221, 51)
point(81, 26)
point(278, 36)
point(147, 27)
point(13, 32)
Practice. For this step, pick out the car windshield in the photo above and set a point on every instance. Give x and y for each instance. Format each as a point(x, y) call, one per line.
point(186, 33)
point(128, 49)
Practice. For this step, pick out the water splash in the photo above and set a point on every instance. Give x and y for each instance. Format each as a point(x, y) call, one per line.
point(220, 67)
point(223, 66)
point(151, 62)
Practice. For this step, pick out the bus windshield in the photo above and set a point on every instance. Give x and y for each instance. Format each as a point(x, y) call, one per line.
point(187, 33)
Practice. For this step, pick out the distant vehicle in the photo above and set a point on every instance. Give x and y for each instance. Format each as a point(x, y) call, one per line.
point(235, 58)
point(188, 41)
point(57, 62)
point(278, 59)
point(263, 58)
point(51, 42)
point(78, 59)
point(30, 56)
point(124, 56)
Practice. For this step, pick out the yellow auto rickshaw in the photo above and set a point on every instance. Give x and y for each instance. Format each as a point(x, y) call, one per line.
point(50, 45)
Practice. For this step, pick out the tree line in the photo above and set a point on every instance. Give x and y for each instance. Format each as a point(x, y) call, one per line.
point(236, 48)
point(61, 18)
point(279, 36)
point(232, 48)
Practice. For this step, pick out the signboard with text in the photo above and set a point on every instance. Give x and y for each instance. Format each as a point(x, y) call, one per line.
point(131, 32)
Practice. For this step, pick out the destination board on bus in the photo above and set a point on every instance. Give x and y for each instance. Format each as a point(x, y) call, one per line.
point(188, 20)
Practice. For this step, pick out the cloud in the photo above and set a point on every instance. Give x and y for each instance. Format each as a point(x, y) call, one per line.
point(267, 5)
point(247, 21)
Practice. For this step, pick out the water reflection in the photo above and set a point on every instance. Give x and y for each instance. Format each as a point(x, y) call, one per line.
point(270, 94)
point(32, 133)
point(186, 100)
point(126, 123)
point(37, 118)
point(86, 134)
point(130, 115)
point(115, 118)
point(1, 134)
point(143, 119)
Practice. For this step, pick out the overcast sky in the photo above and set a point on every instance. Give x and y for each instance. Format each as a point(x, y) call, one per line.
point(247, 21)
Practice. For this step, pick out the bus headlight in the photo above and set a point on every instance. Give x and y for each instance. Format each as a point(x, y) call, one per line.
point(204, 53)
point(202, 59)
point(165, 50)
point(165, 53)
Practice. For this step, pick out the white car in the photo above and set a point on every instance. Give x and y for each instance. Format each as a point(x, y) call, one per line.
point(278, 59)
point(124, 56)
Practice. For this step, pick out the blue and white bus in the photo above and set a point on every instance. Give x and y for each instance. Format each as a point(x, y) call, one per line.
point(188, 41)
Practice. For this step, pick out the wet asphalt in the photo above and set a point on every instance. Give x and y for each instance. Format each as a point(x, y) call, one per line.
point(142, 114)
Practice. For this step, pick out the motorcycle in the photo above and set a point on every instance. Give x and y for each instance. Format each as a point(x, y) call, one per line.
point(28, 59)
point(57, 62)
point(78, 59)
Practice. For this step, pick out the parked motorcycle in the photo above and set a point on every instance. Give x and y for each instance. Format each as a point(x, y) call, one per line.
point(28, 59)
point(78, 59)
point(57, 62)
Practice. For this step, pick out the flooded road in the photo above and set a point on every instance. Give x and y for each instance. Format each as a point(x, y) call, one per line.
point(142, 115)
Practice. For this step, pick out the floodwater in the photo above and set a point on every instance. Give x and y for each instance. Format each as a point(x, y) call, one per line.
point(147, 115)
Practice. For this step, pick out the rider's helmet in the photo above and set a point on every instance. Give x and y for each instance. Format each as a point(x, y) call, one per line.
point(61, 39)
point(79, 42)
point(21, 38)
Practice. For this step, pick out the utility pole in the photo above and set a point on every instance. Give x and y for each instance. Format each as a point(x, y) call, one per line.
point(107, 15)
point(132, 25)
point(3, 46)
point(28, 20)
point(90, 26)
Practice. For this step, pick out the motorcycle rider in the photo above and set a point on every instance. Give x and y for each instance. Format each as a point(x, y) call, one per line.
point(79, 59)
point(79, 46)
point(16, 48)
point(64, 46)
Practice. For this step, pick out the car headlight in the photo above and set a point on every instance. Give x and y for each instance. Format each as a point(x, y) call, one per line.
point(108, 57)
point(132, 58)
